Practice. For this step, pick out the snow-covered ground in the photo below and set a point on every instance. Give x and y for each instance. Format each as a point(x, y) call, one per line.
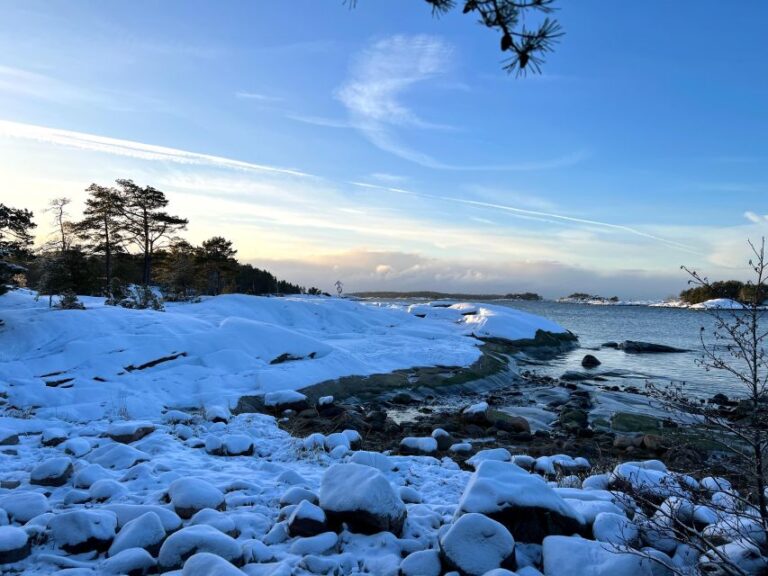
point(222, 348)
point(135, 467)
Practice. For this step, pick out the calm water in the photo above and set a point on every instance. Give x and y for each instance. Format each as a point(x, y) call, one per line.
point(674, 327)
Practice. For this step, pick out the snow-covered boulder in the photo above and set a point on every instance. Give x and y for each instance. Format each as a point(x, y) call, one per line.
point(373, 459)
point(495, 454)
point(741, 553)
point(52, 472)
point(23, 506)
point(286, 400)
point(306, 520)
point(362, 498)
point(83, 530)
point(77, 447)
point(127, 432)
point(476, 413)
point(117, 456)
point(145, 532)
point(53, 436)
point(182, 544)
point(444, 439)
point(615, 529)
point(421, 563)
point(574, 556)
point(14, 544)
point(217, 413)
point(219, 520)
point(127, 512)
point(237, 445)
point(475, 544)
point(189, 495)
point(297, 494)
point(523, 502)
point(319, 544)
point(207, 564)
point(425, 445)
point(8, 437)
point(131, 561)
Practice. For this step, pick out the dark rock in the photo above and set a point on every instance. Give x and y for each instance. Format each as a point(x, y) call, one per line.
point(636, 347)
point(307, 520)
point(614, 345)
point(590, 361)
point(573, 376)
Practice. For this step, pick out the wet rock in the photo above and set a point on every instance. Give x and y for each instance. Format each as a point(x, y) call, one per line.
point(636, 347)
point(476, 413)
point(614, 345)
point(52, 472)
point(590, 361)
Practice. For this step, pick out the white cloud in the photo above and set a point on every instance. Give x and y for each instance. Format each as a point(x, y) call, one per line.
point(374, 97)
point(756, 218)
point(243, 95)
point(130, 148)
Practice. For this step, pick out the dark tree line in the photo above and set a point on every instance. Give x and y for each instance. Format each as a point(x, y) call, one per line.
point(743, 292)
point(125, 239)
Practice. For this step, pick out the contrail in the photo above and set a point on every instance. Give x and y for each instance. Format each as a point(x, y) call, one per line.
point(545, 216)
point(130, 148)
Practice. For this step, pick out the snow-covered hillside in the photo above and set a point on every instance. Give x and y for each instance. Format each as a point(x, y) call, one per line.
point(82, 365)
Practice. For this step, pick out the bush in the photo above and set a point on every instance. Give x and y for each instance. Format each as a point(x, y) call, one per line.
point(69, 301)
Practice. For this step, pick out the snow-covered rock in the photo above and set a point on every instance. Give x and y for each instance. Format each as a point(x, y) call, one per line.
point(194, 539)
point(418, 445)
point(127, 432)
point(297, 494)
point(374, 459)
point(145, 532)
point(52, 472)
point(615, 529)
point(237, 445)
point(286, 400)
point(189, 495)
point(573, 556)
point(14, 544)
point(131, 561)
point(523, 502)
point(306, 520)
point(127, 512)
point(475, 544)
point(22, 506)
point(421, 563)
point(77, 447)
point(83, 530)
point(362, 498)
point(207, 564)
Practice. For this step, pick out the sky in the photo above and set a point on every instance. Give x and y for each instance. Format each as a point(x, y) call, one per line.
point(387, 148)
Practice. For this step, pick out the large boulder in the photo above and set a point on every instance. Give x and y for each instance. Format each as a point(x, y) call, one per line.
point(14, 544)
point(131, 561)
point(23, 506)
point(83, 530)
point(523, 502)
point(475, 544)
point(362, 498)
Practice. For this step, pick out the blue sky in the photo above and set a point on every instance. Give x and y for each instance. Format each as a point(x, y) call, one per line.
point(387, 148)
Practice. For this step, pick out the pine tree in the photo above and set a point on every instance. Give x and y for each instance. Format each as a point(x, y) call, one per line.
point(144, 222)
point(177, 270)
point(218, 265)
point(15, 237)
point(100, 228)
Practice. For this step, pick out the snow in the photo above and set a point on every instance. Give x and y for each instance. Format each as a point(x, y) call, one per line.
point(718, 304)
point(350, 489)
point(188, 495)
point(12, 538)
point(475, 544)
point(419, 445)
point(283, 397)
point(499, 485)
point(573, 556)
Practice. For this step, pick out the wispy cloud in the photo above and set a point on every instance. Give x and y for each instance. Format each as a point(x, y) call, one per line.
point(374, 97)
point(537, 215)
point(756, 218)
point(320, 121)
point(243, 95)
point(130, 148)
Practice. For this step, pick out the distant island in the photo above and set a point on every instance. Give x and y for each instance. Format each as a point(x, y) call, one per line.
point(448, 295)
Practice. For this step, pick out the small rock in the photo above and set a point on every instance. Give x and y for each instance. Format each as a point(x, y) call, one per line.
point(590, 361)
point(127, 432)
point(444, 439)
point(475, 544)
point(53, 437)
point(306, 520)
